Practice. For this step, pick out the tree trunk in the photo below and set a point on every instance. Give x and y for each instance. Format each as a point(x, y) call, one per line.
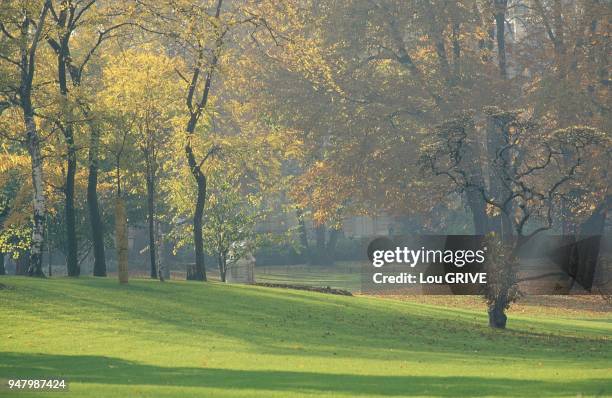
point(28, 46)
point(317, 256)
point(500, 166)
point(302, 230)
point(500, 21)
point(331, 245)
point(497, 316)
point(498, 137)
point(162, 269)
point(49, 259)
point(474, 192)
point(3, 214)
point(97, 226)
point(71, 236)
point(121, 240)
point(478, 207)
point(199, 271)
point(151, 217)
point(320, 237)
point(72, 262)
point(503, 281)
point(222, 268)
point(198, 240)
point(36, 247)
point(22, 263)
point(495, 141)
point(565, 117)
point(195, 109)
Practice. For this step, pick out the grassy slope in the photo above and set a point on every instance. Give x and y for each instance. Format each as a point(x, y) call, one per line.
point(192, 339)
point(343, 275)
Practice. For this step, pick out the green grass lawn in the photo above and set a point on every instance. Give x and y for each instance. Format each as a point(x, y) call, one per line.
point(188, 339)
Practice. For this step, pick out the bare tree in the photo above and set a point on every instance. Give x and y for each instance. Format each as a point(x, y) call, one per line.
point(532, 168)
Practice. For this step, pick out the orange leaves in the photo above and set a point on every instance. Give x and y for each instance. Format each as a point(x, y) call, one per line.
point(323, 190)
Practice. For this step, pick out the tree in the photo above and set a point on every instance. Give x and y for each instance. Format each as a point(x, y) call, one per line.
point(142, 86)
point(121, 145)
point(311, 190)
point(197, 35)
point(120, 148)
point(231, 215)
point(74, 21)
point(378, 75)
point(531, 167)
point(203, 34)
point(196, 106)
point(15, 225)
point(23, 30)
point(565, 49)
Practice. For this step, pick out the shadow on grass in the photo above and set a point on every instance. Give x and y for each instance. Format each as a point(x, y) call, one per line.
point(114, 371)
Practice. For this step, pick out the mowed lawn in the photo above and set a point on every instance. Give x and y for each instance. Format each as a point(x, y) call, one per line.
point(190, 339)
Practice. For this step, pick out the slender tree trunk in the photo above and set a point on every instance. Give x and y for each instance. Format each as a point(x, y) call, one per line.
point(565, 117)
point(199, 271)
point(198, 240)
point(302, 230)
point(151, 217)
point(474, 192)
point(71, 236)
point(72, 262)
point(36, 247)
point(3, 214)
point(500, 24)
point(317, 256)
point(49, 259)
point(498, 132)
point(456, 54)
point(222, 268)
point(320, 236)
point(196, 108)
point(97, 226)
point(497, 139)
point(122, 240)
point(22, 263)
point(306, 254)
point(334, 234)
point(162, 268)
point(500, 167)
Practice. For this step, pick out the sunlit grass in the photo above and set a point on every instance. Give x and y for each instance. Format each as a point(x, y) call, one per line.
point(185, 339)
